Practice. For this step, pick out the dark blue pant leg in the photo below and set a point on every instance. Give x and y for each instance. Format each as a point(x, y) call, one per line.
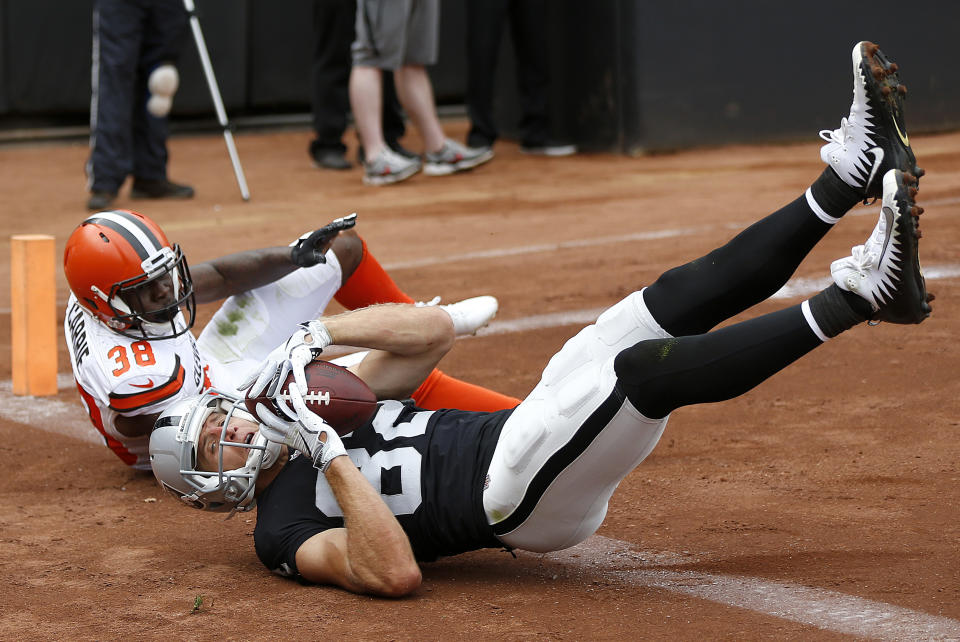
point(164, 34)
point(116, 46)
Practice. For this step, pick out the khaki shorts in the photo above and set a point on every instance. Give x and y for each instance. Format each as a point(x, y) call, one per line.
point(393, 33)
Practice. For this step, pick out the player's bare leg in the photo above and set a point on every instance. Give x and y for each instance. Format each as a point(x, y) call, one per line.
point(871, 140)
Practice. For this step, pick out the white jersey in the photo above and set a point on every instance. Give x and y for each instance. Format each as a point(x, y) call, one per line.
point(119, 375)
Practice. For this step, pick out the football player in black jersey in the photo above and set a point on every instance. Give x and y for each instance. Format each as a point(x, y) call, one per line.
point(411, 485)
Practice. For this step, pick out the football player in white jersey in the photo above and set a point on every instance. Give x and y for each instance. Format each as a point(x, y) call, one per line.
point(133, 302)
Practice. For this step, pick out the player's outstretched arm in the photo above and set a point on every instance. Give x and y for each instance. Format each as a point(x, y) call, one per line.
point(244, 271)
point(240, 272)
point(371, 554)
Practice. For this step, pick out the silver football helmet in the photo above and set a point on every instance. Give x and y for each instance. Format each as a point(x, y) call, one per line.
point(173, 455)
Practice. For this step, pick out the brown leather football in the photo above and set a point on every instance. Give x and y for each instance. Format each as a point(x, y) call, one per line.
point(334, 393)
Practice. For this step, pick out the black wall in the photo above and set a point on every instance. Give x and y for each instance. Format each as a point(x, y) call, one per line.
point(629, 75)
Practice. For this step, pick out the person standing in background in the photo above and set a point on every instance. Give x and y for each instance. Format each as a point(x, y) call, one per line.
point(136, 44)
point(485, 21)
point(333, 29)
point(402, 36)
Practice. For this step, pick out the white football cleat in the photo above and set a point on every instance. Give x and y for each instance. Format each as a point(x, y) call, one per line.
point(886, 269)
point(873, 138)
point(470, 315)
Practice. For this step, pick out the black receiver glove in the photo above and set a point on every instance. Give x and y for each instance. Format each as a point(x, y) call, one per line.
point(309, 249)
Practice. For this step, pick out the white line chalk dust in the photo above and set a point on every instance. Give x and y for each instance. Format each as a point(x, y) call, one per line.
point(827, 610)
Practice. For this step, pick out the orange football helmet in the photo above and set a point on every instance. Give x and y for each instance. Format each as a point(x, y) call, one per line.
point(122, 268)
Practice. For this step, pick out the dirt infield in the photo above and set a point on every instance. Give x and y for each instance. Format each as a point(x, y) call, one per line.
point(825, 503)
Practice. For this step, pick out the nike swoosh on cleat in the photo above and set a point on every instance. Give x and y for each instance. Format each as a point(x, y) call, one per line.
point(877, 153)
point(891, 218)
point(149, 384)
point(903, 137)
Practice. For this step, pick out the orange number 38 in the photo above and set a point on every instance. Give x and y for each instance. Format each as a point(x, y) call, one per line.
point(142, 356)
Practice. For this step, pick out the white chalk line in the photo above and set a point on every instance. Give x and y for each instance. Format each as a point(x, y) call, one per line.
point(794, 288)
point(824, 609)
point(549, 247)
point(613, 560)
point(610, 240)
point(67, 418)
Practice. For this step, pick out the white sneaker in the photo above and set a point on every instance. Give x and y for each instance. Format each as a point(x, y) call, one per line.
point(470, 315)
point(886, 269)
point(873, 138)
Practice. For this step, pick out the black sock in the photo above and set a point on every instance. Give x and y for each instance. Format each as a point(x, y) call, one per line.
point(695, 297)
point(660, 375)
point(836, 310)
point(833, 195)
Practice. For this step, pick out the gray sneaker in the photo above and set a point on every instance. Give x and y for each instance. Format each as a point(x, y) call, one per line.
point(389, 167)
point(454, 157)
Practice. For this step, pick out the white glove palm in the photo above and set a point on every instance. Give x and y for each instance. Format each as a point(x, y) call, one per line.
point(293, 355)
point(309, 434)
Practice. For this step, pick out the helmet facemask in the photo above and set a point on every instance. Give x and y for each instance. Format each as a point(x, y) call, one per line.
point(176, 466)
point(132, 301)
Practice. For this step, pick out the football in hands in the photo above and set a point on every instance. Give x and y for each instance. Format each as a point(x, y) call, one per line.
point(335, 394)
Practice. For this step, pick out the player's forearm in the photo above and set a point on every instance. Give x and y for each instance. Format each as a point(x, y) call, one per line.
point(397, 328)
point(379, 555)
point(240, 272)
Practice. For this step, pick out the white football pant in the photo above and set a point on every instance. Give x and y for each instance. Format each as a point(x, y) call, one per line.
point(566, 447)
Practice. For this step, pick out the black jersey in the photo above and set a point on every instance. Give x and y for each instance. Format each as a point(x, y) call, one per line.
point(429, 467)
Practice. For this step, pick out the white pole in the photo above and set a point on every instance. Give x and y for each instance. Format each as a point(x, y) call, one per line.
point(215, 95)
